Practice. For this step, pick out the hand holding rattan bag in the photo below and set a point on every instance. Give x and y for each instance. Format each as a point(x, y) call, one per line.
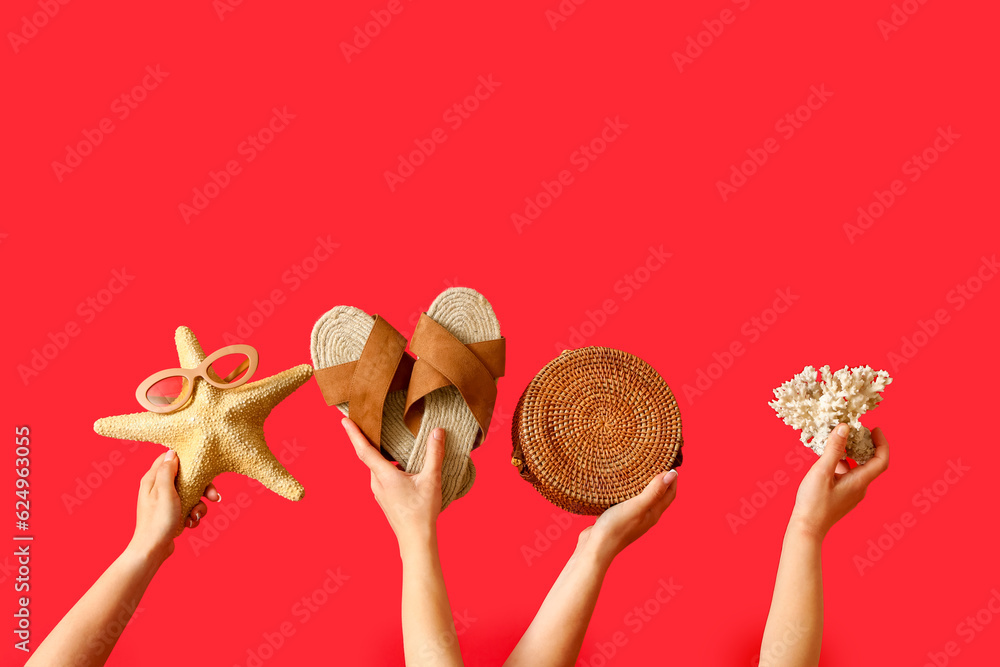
point(593, 426)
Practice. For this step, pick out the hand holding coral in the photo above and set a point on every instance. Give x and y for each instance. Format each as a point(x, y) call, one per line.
point(842, 397)
point(624, 523)
point(829, 490)
point(411, 502)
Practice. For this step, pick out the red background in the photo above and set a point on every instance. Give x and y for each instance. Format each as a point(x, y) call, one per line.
point(450, 223)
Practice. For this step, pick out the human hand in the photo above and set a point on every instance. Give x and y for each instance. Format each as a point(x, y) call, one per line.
point(622, 524)
point(831, 489)
point(158, 506)
point(411, 502)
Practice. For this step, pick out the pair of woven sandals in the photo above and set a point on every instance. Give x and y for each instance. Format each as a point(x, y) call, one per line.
point(362, 366)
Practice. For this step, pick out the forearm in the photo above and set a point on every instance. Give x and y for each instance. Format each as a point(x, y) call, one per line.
point(429, 636)
point(794, 630)
point(555, 637)
point(93, 625)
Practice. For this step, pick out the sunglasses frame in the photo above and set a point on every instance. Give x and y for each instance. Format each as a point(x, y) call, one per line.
point(203, 371)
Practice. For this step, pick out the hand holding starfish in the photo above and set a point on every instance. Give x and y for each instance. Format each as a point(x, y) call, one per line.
point(216, 431)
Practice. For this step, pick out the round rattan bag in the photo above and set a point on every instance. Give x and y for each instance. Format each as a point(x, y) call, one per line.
point(593, 427)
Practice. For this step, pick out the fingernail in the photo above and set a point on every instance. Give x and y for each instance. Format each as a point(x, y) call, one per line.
point(669, 478)
point(843, 430)
point(218, 497)
point(188, 523)
point(438, 434)
point(170, 455)
point(197, 516)
point(343, 422)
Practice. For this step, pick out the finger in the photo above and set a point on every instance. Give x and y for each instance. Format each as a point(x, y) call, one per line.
point(365, 451)
point(166, 472)
point(146, 483)
point(878, 463)
point(664, 501)
point(434, 458)
point(198, 512)
point(212, 493)
point(836, 447)
point(661, 490)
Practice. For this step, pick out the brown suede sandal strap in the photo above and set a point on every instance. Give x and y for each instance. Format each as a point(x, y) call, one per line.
point(383, 367)
point(442, 360)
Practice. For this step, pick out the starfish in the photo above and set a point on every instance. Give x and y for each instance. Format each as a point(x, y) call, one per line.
point(217, 431)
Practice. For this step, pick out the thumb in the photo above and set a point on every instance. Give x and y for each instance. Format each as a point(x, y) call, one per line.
point(836, 448)
point(660, 487)
point(434, 458)
point(166, 472)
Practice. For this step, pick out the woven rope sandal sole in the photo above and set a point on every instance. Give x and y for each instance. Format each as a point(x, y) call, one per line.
point(467, 316)
point(338, 338)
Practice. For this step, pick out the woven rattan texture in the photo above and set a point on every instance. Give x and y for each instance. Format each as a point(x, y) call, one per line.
point(593, 427)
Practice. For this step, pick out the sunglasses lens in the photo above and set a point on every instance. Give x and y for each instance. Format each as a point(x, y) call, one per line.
point(230, 368)
point(167, 391)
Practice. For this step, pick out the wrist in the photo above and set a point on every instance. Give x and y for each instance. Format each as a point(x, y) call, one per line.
point(803, 529)
point(595, 550)
point(146, 557)
point(417, 540)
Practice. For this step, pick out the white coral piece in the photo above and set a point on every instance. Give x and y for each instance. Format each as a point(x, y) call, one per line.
point(842, 397)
